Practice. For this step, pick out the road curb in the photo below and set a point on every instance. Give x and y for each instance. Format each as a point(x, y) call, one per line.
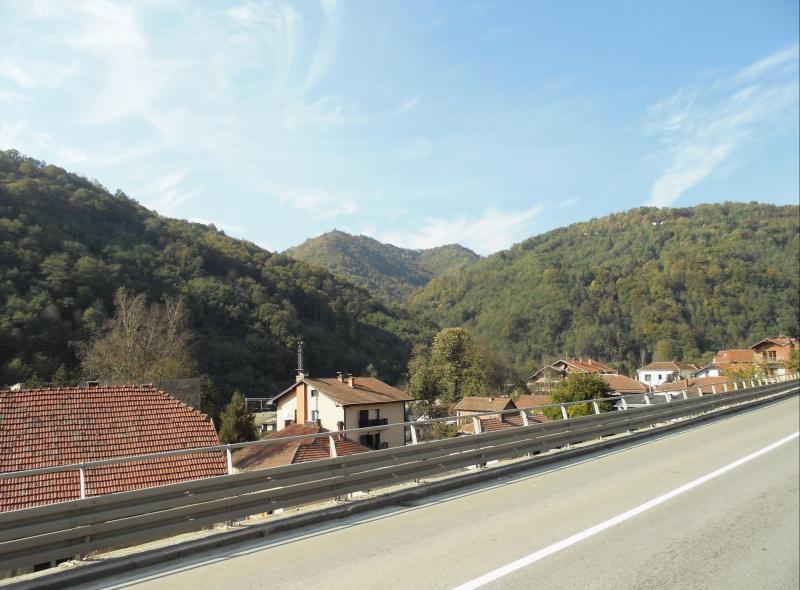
point(92, 572)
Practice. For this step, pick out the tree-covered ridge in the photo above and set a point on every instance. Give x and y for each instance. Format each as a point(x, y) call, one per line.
point(662, 283)
point(67, 244)
point(383, 269)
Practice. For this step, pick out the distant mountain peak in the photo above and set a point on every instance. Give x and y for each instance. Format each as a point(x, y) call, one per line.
point(385, 269)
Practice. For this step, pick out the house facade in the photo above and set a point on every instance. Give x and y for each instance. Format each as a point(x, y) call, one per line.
point(543, 379)
point(774, 354)
point(657, 373)
point(342, 403)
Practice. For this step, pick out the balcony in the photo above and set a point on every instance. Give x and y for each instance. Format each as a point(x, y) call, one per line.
point(373, 422)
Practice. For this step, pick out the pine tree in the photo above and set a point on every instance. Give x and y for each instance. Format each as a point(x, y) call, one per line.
point(61, 377)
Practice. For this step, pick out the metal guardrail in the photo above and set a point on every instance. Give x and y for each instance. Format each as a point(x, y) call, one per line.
point(57, 531)
point(413, 426)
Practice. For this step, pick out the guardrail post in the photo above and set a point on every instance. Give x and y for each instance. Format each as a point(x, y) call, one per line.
point(725, 387)
point(332, 442)
point(413, 434)
point(646, 399)
point(82, 475)
point(713, 389)
point(524, 415)
point(668, 396)
point(229, 458)
point(735, 387)
point(596, 407)
point(624, 403)
point(700, 391)
point(476, 425)
point(564, 412)
point(752, 383)
point(685, 394)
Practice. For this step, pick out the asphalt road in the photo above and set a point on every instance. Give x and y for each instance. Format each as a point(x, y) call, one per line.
point(625, 519)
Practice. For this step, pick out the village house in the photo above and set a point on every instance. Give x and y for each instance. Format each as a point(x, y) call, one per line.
point(59, 426)
point(296, 451)
point(774, 354)
point(345, 402)
point(657, 373)
point(544, 378)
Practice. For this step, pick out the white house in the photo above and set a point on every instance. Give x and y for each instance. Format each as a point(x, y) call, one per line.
point(657, 373)
point(710, 370)
point(342, 403)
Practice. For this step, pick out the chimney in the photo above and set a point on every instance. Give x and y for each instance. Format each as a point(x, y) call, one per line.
point(351, 381)
point(339, 376)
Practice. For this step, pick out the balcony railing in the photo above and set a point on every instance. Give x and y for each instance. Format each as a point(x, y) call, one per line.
point(373, 422)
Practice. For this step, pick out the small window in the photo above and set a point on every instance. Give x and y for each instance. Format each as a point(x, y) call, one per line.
point(647, 376)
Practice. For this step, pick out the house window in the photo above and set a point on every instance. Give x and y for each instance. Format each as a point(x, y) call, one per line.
point(314, 415)
point(647, 376)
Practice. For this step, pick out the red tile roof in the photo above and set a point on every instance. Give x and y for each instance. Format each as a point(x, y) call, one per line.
point(704, 383)
point(779, 341)
point(530, 401)
point(485, 404)
point(622, 384)
point(50, 427)
point(734, 355)
point(586, 366)
point(295, 451)
point(365, 390)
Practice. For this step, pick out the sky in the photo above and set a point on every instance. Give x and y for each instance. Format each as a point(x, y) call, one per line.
point(418, 123)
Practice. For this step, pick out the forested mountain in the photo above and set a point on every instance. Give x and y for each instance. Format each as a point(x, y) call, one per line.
point(663, 283)
point(66, 245)
point(384, 269)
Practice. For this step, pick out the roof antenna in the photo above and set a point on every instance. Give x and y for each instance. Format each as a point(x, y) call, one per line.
point(300, 368)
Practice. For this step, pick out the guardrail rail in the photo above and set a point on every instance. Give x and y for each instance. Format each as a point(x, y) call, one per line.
point(77, 527)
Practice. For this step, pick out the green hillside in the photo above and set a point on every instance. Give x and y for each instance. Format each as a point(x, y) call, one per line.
point(383, 269)
point(664, 283)
point(67, 244)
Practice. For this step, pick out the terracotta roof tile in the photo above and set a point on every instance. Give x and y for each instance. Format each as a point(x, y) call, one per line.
point(622, 384)
point(295, 451)
point(50, 427)
point(485, 404)
point(365, 390)
point(530, 401)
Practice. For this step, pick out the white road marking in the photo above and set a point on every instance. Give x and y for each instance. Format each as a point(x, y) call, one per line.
point(585, 534)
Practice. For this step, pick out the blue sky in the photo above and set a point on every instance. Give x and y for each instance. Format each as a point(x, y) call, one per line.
point(417, 123)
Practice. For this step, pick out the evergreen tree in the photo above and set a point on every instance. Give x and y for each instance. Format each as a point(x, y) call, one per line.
point(61, 377)
point(236, 423)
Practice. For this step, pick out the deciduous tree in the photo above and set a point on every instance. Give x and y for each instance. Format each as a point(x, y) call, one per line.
point(141, 342)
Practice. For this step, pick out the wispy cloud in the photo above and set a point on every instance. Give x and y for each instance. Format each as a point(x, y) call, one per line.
point(319, 204)
point(166, 194)
point(494, 231)
point(703, 126)
point(29, 74)
point(407, 105)
point(568, 203)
